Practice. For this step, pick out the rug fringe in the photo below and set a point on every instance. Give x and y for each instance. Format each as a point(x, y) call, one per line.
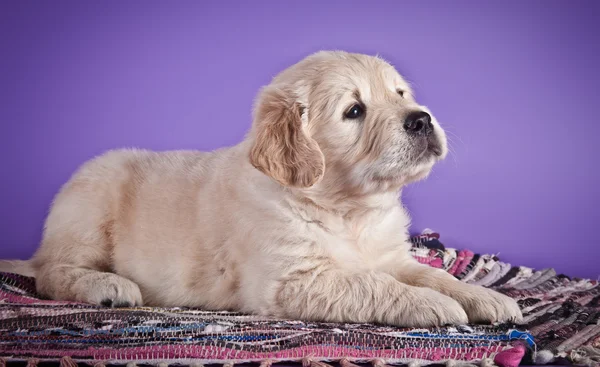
point(544, 357)
point(266, 363)
point(379, 363)
point(308, 362)
point(455, 363)
point(585, 355)
point(487, 362)
point(32, 362)
point(67, 361)
point(344, 362)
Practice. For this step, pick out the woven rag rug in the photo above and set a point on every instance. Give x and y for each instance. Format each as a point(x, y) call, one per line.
point(561, 326)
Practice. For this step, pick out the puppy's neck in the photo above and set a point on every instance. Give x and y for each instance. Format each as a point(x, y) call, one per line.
point(345, 201)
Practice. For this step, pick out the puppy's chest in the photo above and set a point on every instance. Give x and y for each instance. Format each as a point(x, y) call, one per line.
point(361, 245)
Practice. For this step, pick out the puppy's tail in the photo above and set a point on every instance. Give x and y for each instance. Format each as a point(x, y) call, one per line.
point(21, 267)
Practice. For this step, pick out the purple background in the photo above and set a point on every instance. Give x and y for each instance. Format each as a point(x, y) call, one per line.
point(515, 83)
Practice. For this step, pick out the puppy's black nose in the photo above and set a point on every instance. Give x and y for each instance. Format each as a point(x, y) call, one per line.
point(418, 123)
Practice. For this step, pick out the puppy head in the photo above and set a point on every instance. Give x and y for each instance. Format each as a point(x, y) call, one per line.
point(348, 119)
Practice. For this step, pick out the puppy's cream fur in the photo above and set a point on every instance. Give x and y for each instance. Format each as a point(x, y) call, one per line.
point(302, 219)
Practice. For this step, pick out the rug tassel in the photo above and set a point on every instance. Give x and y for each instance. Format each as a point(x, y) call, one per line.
point(67, 361)
point(99, 364)
point(228, 364)
point(378, 363)
point(196, 364)
point(346, 363)
point(162, 364)
point(455, 363)
point(308, 362)
point(544, 357)
point(131, 364)
point(266, 363)
point(487, 362)
point(585, 355)
point(32, 362)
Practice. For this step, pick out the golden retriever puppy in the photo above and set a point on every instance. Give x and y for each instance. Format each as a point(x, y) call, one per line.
point(301, 219)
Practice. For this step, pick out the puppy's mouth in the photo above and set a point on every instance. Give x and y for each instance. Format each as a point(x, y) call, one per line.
point(429, 148)
point(435, 148)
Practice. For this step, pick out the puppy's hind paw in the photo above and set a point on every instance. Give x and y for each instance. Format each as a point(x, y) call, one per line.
point(108, 290)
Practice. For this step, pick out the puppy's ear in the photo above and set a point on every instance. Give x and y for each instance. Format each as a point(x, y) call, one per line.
point(282, 148)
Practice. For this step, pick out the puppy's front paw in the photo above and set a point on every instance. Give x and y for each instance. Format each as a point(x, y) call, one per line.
point(484, 305)
point(431, 309)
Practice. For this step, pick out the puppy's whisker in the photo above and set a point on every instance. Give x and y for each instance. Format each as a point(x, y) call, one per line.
point(450, 132)
point(451, 151)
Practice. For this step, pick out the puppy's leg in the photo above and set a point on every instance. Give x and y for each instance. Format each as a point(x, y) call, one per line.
point(74, 265)
point(481, 304)
point(68, 282)
point(341, 296)
point(75, 259)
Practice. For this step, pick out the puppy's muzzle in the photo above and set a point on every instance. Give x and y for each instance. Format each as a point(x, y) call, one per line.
point(419, 126)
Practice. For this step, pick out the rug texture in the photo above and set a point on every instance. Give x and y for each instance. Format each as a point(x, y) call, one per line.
point(561, 326)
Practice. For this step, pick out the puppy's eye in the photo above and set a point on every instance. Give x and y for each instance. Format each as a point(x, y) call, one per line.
point(401, 93)
point(354, 112)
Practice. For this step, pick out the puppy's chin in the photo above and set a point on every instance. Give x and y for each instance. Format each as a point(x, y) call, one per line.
point(415, 172)
point(419, 173)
